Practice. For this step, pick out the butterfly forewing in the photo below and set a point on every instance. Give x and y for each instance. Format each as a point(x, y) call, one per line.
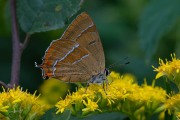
point(78, 26)
point(77, 55)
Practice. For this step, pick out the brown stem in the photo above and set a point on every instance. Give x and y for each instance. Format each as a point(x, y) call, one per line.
point(17, 46)
point(4, 85)
point(16, 56)
point(26, 41)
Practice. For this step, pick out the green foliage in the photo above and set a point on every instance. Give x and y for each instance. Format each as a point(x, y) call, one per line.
point(51, 115)
point(157, 20)
point(66, 115)
point(45, 15)
point(5, 27)
point(103, 116)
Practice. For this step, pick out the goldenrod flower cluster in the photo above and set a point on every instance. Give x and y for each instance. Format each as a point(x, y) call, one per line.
point(173, 104)
point(170, 69)
point(16, 104)
point(122, 94)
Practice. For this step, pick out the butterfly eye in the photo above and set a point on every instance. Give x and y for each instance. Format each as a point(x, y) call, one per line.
point(106, 71)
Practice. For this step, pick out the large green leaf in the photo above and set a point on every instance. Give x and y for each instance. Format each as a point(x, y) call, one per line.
point(66, 115)
point(51, 115)
point(108, 116)
point(157, 19)
point(103, 116)
point(45, 15)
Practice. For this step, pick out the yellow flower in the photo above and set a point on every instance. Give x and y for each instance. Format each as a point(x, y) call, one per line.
point(76, 96)
point(3, 109)
point(90, 105)
point(147, 93)
point(173, 104)
point(113, 75)
point(121, 94)
point(121, 87)
point(178, 115)
point(118, 89)
point(62, 105)
point(142, 99)
point(168, 68)
point(15, 101)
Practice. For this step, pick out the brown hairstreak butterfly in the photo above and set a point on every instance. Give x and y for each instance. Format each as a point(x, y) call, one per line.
point(77, 56)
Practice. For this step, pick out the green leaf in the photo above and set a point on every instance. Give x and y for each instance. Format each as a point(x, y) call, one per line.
point(45, 15)
point(5, 19)
point(103, 116)
point(156, 20)
point(51, 115)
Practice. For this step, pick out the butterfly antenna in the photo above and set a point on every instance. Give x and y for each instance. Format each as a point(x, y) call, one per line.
point(119, 63)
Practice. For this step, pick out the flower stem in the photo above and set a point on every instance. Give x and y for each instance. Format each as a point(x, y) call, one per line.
point(4, 85)
point(16, 56)
point(17, 47)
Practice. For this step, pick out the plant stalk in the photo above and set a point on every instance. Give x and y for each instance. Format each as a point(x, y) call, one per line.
point(16, 51)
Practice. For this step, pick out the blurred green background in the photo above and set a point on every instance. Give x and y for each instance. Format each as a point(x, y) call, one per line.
point(142, 30)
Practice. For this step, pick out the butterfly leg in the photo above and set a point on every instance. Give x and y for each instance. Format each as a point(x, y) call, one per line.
point(86, 87)
point(104, 88)
point(107, 83)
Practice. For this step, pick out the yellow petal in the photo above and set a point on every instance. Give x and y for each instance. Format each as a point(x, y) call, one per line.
point(160, 74)
point(16, 101)
point(177, 71)
point(85, 109)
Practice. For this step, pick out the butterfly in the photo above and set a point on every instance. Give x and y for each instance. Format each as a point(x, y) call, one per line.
point(78, 56)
